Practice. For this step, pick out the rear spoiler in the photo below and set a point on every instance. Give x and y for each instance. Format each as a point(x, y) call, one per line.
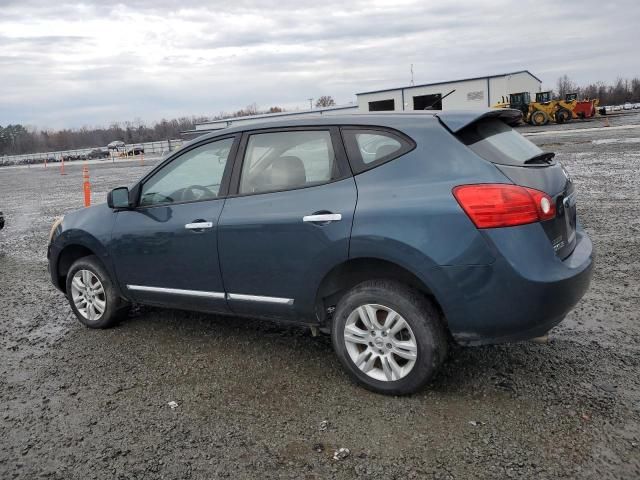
point(457, 120)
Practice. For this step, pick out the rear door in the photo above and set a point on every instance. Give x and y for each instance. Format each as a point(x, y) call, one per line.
point(289, 221)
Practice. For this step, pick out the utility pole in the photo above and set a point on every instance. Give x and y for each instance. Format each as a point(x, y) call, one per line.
point(412, 74)
point(310, 103)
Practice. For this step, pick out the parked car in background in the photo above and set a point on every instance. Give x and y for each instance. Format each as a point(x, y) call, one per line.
point(67, 157)
point(116, 145)
point(627, 106)
point(1, 220)
point(135, 150)
point(617, 108)
point(391, 232)
point(98, 153)
point(636, 105)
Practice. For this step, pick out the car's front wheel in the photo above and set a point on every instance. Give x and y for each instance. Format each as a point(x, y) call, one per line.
point(92, 295)
point(389, 337)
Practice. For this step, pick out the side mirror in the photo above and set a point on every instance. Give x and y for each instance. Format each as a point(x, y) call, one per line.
point(118, 198)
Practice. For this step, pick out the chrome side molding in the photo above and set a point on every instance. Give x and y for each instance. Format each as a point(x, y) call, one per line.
point(259, 298)
point(219, 295)
point(177, 291)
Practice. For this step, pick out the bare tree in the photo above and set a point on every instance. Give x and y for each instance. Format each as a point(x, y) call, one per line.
point(565, 85)
point(325, 101)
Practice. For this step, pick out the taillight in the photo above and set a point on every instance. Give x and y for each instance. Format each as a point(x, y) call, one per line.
point(499, 205)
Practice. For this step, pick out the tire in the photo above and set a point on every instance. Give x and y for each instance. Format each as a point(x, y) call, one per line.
point(539, 118)
point(425, 330)
point(563, 115)
point(113, 306)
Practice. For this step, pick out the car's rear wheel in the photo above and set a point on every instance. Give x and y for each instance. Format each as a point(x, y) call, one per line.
point(389, 337)
point(92, 295)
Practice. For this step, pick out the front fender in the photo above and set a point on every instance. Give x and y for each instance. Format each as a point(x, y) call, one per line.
point(90, 229)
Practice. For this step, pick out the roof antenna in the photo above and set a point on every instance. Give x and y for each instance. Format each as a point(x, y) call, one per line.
point(412, 74)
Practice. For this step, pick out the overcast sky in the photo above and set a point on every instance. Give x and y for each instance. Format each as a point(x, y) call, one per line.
point(68, 64)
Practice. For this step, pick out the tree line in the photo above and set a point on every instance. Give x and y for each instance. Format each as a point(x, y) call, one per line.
point(617, 93)
point(20, 139)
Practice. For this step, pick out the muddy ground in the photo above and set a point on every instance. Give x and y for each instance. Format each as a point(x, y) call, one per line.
point(252, 397)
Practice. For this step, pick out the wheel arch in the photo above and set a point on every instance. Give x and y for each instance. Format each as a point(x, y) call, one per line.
point(350, 273)
point(68, 255)
point(74, 250)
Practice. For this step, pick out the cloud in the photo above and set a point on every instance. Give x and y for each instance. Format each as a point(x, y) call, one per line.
point(91, 62)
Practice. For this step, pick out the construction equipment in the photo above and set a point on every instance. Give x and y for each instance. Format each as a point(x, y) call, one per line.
point(581, 108)
point(537, 113)
point(545, 109)
point(518, 101)
point(554, 110)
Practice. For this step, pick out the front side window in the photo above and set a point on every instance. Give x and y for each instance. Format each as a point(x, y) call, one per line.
point(195, 175)
point(368, 148)
point(287, 160)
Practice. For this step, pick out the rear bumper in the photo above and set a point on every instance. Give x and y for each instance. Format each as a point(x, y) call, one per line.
point(524, 293)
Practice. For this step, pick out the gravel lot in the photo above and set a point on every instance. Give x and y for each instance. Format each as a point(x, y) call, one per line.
point(252, 397)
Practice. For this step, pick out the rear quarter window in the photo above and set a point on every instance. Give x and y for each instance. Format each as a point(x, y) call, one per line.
point(497, 142)
point(370, 147)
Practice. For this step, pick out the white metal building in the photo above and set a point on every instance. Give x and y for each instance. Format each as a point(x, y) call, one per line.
point(478, 92)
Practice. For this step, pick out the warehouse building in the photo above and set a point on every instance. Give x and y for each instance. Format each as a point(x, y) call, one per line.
point(478, 92)
point(467, 93)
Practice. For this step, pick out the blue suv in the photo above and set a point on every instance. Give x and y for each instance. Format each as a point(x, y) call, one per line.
point(395, 233)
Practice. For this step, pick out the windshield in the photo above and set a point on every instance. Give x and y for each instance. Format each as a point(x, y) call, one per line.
point(497, 142)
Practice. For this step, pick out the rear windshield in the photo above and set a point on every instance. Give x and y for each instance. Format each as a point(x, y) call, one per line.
point(497, 142)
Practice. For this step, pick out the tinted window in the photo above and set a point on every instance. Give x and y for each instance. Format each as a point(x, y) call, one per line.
point(497, 142)
point(382, 106)
point(287, 160)
point(428, 102)
point(375, 146)
point(194, 175)
point(368, 148)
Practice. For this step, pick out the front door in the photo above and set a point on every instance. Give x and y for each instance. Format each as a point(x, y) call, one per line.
point(165, 250)
point(289, 222)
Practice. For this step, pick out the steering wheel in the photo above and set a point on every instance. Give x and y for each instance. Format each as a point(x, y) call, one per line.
point(191, 193)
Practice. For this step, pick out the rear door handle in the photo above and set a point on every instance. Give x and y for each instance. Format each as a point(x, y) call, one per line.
point(198, 225)
point(322, 218)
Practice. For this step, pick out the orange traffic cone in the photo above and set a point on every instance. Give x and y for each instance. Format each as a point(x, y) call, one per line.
point(86, 186)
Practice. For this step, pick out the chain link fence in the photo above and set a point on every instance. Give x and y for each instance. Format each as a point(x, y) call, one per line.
point(158, 148)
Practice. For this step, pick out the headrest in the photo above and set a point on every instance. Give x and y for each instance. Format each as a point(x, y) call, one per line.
point(287, 172)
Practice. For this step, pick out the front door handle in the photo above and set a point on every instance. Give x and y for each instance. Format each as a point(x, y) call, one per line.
point(198, 225)
point(322, 218)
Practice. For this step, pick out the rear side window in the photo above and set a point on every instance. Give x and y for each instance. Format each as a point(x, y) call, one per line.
point(368, 148)
point(287, 160)
point(497, 142)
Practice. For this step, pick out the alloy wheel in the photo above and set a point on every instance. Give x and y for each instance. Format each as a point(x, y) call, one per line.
point(380, 342)
point(88, 295)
